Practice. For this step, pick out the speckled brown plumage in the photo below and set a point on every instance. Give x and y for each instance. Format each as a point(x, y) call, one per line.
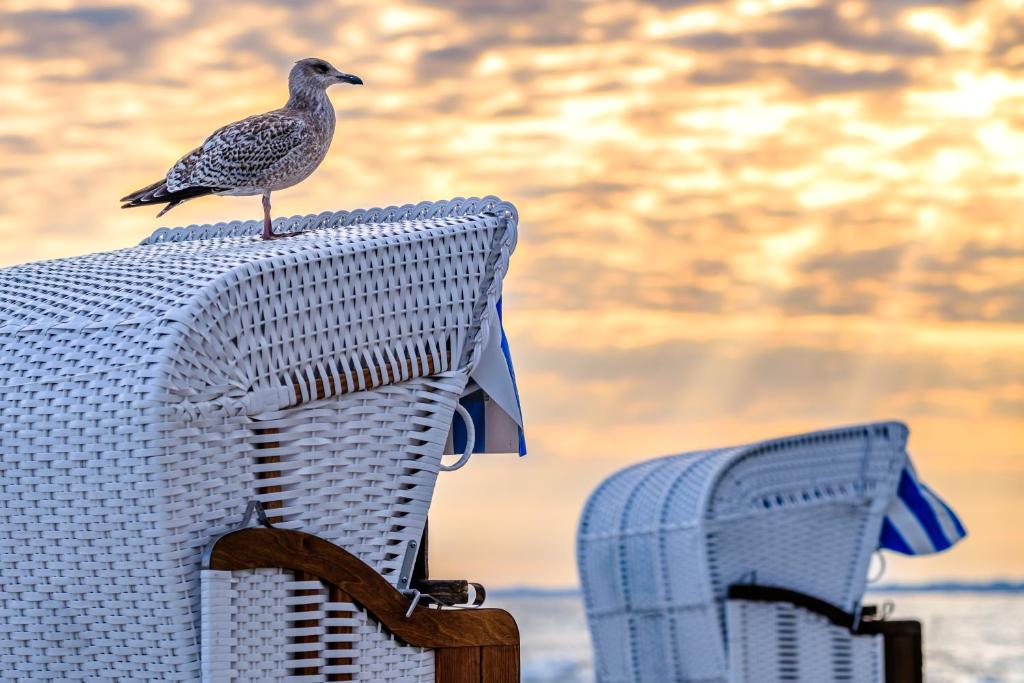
point(259, 154)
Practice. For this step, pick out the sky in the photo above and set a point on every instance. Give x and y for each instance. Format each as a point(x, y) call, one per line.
point(739, 220)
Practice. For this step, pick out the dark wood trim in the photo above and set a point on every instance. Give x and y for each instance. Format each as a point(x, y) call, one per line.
point(904, 656)
point(305, 623)
point(330, 386)
point(902, 640)
point(458, 665)
point(334, 594)
point(497, 664)
point(259, 547)
point(500, 664)
point(757, 593)
point(268, 460)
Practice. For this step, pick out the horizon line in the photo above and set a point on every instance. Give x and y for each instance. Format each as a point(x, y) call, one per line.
point(945, 585)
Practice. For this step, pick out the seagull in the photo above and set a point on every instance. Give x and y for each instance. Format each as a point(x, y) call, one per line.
point(260, 154)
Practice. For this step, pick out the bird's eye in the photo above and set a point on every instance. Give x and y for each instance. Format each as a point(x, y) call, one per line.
point(320, 68)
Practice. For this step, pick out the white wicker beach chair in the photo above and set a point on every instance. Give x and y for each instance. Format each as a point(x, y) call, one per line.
point(147, 394)
point(661, 545)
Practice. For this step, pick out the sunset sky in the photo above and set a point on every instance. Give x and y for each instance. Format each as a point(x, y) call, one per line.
point(738, 220)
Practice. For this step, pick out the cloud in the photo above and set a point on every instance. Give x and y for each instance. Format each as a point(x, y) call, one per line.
point(676, 4)
point(574, 284)
point(452, 61)
point(471, 10)
point(817, 300)
point(804, 25)
point(656, 382)
point(810, 80)
point(729, 73)
point(105, 42)
point(866, 264)
point(18, 144)
point(711, 41)
point(1008, 36)
point(859, 282)
point(252, 44)
point(888, 7)
point(822, 24)
point(820, 81)
point(954, 302)
point(95, 17)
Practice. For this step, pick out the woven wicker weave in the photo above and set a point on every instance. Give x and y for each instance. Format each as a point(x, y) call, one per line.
point(148, 393)
point(661, 542)
point(781, 643)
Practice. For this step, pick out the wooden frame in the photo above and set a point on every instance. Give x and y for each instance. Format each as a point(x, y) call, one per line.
point(471, 646)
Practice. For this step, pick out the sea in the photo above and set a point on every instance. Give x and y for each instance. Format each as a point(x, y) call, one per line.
point(969, 636)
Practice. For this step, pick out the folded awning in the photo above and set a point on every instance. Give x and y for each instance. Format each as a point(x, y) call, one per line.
point(492, 399)
point(918, 522)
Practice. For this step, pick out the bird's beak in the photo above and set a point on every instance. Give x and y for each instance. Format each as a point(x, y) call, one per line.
point(348, 78)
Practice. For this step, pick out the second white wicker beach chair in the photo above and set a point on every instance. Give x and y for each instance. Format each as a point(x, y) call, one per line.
point(743, 564)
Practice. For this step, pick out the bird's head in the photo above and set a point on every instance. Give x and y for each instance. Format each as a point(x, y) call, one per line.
point(316, 73)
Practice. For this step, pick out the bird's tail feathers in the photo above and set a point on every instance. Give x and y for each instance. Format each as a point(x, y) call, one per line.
point(143, 194)
point(168, 206)
point(157, 193)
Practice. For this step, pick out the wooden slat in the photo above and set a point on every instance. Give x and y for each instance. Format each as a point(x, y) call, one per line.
point(334, 594)
point(500, 664)
point(267, 460)
point(328, 386)
point(258, 547)
point(457, 665)
point(904, 661)
point(306, 623)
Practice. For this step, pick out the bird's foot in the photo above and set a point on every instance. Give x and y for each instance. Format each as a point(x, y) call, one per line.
point(278, 235)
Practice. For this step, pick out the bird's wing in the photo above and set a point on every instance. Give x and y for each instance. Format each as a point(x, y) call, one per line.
point(240, 153)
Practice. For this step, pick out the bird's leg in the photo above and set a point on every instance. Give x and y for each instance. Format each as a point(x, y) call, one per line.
point(268, 226)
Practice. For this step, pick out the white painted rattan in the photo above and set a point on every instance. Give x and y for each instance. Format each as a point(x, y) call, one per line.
point(139, 389)
point(782, 643)
point(660, 543)
point(249, 626)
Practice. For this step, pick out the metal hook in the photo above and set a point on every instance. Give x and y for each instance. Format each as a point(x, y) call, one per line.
point(470, 440)
point(479, 595)
point(881, 567)
point(254, 506)
point(415, 595)
point(251, 508)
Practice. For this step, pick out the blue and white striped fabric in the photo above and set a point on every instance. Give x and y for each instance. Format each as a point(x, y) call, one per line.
point(918, 522)
point(494, 405)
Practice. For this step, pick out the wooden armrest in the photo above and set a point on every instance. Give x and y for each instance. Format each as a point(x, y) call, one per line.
point(260, 547)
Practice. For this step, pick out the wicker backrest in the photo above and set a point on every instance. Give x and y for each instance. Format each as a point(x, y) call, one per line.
point(146, 394)
point(660, 542)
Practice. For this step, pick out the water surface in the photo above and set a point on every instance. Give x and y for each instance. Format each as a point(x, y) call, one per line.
point(969, 637)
